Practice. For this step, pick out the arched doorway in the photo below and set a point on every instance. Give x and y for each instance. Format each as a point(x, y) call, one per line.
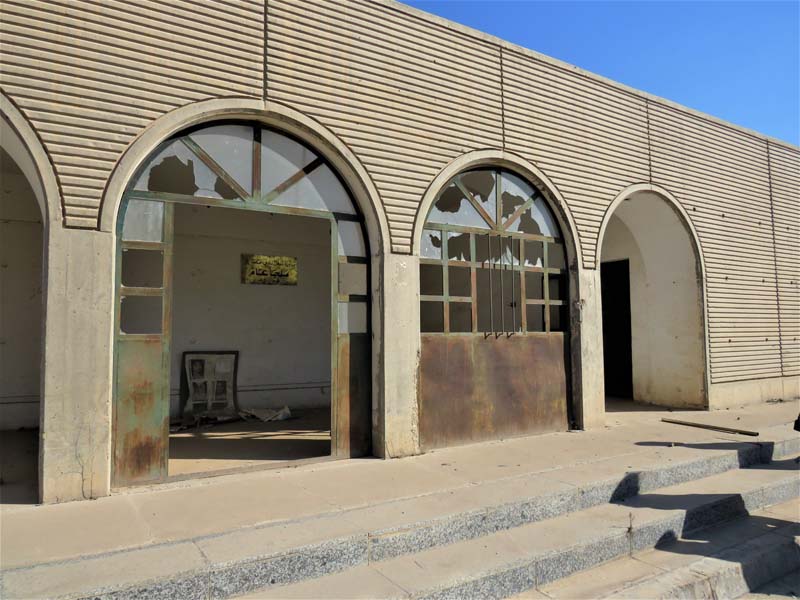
point(21, 312)
point(242, 286)
point(494, 312)
point(653, 319)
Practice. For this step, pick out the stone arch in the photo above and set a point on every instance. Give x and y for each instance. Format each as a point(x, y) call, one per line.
point(23, 144)
point(685, 221)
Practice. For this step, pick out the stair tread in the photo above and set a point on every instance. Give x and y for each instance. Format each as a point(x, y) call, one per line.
point(447, 565)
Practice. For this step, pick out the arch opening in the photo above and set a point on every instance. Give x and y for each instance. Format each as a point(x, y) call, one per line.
point(242, 301)
point(494, 312)
point(652, 306)
point(22, 234)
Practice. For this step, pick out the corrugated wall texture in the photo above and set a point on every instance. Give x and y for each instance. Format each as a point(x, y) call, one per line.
point(785, 174)
point(90, 75)
point(588, 137)
point(406, 95)
point(721, 177)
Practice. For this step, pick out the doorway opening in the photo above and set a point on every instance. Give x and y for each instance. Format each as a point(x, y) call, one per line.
point(653, 335)
point(21, 252)
point(243, 313)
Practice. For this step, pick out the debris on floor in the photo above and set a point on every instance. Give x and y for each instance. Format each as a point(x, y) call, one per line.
point(267, 414)
point(712, 427)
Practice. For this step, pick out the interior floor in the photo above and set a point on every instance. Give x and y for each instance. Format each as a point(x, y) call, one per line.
point(623, 405)
point(19, 458)
point(240, 444)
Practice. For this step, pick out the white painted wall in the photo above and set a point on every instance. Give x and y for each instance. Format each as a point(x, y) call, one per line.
point(282, 332)
point(666, 302)
point(20, 298)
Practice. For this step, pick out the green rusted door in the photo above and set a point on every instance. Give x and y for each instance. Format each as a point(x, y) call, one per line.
point(141, 365)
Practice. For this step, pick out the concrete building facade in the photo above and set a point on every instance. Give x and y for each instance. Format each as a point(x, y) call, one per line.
point(398, 124)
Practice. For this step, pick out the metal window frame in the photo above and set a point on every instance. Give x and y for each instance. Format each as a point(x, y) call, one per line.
point(496, 229)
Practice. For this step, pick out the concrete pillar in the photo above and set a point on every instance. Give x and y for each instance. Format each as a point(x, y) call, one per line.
point(74, 452)
point(592, 387)
point(398, 421)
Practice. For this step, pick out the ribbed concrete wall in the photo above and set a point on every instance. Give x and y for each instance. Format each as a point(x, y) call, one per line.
point(91, 75)
point(408, 93)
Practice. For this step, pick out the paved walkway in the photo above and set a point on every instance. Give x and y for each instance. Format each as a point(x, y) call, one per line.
point(206, 507)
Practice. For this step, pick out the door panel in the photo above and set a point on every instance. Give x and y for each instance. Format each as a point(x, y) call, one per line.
point(475, 387)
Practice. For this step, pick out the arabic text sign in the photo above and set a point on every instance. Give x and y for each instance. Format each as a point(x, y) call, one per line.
point(269, 270)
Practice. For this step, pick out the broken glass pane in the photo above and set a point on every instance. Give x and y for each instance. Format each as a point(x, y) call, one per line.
point(177, 170)
point(460, 317)
point(460, 281)
point(143, 221)
point(353, 317)
point(140, 314)
point(352, 278)
point(534, 254)
point(431, 246)
point(231, 147)
point(431, 317)
point(431, 282)
point(454, 209)
point(458, 246)
point(515, 193)
point(481, 184)
point(351, 240)
point(142, 268)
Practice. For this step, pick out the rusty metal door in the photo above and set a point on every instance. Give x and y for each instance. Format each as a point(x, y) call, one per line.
point(141, 365)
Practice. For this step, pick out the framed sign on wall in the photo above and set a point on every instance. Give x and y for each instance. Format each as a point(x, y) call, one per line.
point(269, 270)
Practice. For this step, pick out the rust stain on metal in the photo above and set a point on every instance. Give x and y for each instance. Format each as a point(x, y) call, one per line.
point(475, 388)
point(141, 452)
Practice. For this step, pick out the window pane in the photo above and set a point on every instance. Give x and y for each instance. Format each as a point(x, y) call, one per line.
point(142, 268)
point(281, 158)
point(353, 317)
point(535, 316)
point(534, 254)
point(558, 320)
point(319, 190)
point(512, 307)
point(231, 147)
point(453, 208)
point(458, 246)
point(178, 170)
point(431, 317)
point(460, 317)
point(430, 280)
point(481, 184)
point(555, 256)
point(484, 298)
point(352, 278)
point(516, 192)
point(534, 286)
point(557, 287)
point(460, 280)
point(351, 240)
point(140, 314)
point(431, 246)
point(144, 221)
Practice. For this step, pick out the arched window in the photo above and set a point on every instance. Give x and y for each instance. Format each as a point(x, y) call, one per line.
point(492, 259)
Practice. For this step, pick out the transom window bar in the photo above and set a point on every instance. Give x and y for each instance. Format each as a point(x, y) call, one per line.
point(492, 259)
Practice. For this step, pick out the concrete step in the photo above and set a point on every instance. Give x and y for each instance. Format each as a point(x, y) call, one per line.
point(787, 586)
point(723, 561)
point(281, 553)
point(530, 557)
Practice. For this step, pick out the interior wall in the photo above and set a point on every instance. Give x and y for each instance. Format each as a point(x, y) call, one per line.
point(666, 303)
point(21, 234)
point(282, 332)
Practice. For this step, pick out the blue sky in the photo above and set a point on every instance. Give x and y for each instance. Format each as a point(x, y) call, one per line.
point(739, 61)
